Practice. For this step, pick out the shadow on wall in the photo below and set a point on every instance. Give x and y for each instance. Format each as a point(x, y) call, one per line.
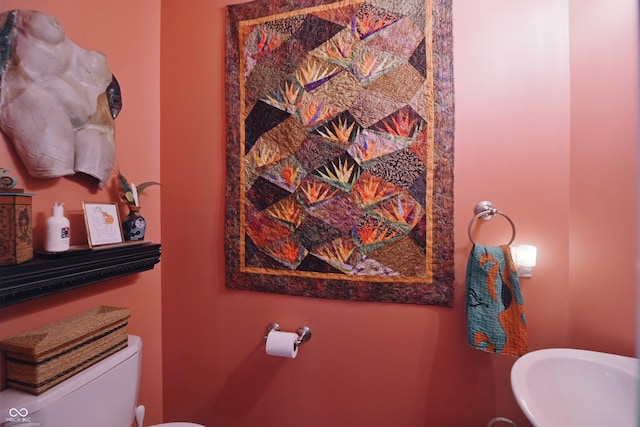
point(247, 383)
point(461, 377)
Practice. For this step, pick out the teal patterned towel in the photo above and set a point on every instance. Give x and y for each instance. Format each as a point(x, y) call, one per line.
point(495, 307)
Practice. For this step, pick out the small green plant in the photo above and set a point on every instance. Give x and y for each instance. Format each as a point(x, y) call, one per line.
point(131, 192)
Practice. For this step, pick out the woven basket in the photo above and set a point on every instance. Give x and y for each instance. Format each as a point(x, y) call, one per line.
point(39, 359)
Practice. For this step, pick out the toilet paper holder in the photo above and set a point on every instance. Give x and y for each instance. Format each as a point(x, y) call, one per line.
point(304, 333)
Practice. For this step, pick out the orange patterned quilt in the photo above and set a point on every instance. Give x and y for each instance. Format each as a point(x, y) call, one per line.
point(340, 149)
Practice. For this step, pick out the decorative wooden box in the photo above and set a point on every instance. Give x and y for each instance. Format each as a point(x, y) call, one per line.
point(41, 358)
point(16, 227)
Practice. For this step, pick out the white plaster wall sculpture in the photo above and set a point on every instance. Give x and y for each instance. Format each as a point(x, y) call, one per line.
point(57, 100)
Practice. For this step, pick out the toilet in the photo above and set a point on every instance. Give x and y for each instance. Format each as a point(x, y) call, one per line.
point(103, 395)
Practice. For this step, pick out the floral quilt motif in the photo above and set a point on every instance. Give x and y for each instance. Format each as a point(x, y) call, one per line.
point(340, 150)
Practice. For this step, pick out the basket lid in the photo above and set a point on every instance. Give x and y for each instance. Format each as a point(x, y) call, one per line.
point(46, 338)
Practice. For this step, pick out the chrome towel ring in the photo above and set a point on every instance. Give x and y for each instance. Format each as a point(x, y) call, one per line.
point(486, 210)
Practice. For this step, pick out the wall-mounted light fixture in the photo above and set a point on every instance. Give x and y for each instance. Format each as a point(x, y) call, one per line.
point(524, 256)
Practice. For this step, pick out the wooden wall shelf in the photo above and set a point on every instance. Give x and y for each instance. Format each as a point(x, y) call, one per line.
point(48, 274)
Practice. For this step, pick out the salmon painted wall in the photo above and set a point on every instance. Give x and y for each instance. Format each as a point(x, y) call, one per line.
point(604, 174)
point(129, 34)
point(380, 364)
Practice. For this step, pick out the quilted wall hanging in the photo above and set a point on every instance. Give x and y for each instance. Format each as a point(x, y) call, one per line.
point(340, 149)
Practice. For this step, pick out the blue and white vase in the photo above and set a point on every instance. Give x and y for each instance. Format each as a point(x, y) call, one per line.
point(134, 225)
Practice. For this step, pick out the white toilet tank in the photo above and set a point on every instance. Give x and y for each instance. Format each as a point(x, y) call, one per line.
point(103, 395)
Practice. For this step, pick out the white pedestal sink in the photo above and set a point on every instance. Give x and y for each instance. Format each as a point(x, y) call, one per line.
point(562, 387)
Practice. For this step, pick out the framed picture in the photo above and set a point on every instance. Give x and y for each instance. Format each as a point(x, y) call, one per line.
point(103, 223)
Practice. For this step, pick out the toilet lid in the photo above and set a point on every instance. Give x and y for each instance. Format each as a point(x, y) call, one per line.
point(177, 425)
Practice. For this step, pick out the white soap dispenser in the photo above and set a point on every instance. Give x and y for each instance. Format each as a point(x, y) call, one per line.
point(58, 230)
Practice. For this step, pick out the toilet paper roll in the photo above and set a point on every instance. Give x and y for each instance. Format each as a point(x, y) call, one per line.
point(282, 344)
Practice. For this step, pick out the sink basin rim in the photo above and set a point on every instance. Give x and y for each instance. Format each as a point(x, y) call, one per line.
point(610, 366)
